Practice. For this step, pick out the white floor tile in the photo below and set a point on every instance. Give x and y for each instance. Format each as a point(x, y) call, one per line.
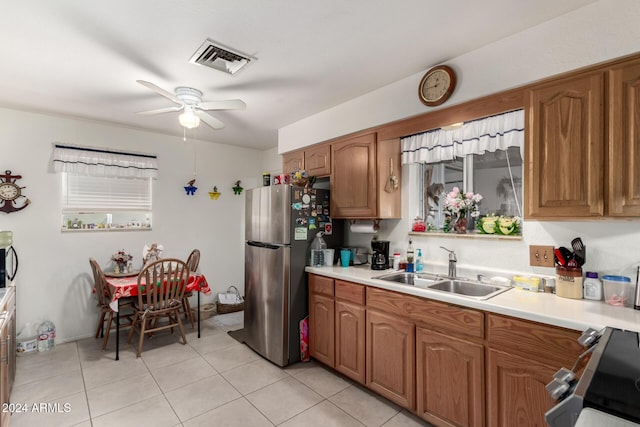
point(238, 413)
point(119, 394)
point(182, 373)
point(254, 376)
point(199, 397)
point(231, 357)
point(284, 399)
point(366, 407)
point(324, 414)
point(153, 412)
point(66, 411)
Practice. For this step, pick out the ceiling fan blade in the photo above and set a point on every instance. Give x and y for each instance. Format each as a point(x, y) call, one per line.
point(159, 111)
point(229, 104)
point(160, 91)
point(210, 120)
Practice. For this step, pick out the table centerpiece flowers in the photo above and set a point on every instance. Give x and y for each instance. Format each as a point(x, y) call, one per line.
point(461, 207)
point(121, 258)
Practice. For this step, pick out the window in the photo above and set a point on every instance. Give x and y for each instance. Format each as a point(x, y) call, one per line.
point(104, 189)
point(105, 203)
point(481, 156)
point(497, 176)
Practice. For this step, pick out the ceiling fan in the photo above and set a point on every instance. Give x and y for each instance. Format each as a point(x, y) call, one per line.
point(193, 109)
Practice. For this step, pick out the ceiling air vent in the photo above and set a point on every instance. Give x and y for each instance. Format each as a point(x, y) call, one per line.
point(213, 55)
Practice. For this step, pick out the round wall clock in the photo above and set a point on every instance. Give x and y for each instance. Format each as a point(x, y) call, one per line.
point(11, 193)
point(437, 85)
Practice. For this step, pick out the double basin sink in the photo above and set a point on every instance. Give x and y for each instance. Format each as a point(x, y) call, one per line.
point(458, 286)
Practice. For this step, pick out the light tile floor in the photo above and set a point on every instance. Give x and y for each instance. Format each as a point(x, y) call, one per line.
point(211, 381)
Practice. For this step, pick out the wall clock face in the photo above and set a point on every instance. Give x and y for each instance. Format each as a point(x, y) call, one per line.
point(11, 197)
point(437, 85)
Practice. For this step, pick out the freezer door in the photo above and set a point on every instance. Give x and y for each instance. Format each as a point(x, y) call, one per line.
point(268, 214)
point(266, 307)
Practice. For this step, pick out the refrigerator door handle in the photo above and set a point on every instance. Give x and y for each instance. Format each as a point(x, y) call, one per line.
point(262, 245)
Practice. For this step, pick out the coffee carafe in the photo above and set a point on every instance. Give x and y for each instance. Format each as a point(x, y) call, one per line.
point(380, 257)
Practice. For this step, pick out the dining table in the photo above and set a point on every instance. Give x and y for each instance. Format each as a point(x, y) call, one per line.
point(126, 285)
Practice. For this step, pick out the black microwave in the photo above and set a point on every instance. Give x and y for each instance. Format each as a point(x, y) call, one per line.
point(8, 265)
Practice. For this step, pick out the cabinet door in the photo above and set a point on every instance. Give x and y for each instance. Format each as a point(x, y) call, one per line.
point(390, 361)
point(565, 148)
point(516, 394)
point(350, 333)
point(353, 177)
point(321, 329)
point(624, 140)
point(389, 164)
point(449, 383)
point(317, 160)
point(292, 161)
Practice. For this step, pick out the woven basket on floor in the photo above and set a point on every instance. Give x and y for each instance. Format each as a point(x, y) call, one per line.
point(206, 311)
point(230, 308)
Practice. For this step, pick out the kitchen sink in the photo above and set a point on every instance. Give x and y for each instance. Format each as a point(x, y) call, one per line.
point(467, 288)
point(460, 286)
point(409, 278)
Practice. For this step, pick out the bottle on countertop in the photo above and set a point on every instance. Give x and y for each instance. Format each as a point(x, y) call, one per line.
point(592, 286)
point(419, 265)
point(410, 252)
point(46, 335)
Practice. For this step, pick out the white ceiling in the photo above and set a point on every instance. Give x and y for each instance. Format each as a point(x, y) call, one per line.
point(82, 58)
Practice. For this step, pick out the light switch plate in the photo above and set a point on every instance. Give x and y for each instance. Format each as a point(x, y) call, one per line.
point(541, 256)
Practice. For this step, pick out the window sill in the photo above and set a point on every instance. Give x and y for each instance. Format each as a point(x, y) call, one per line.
point(99, 230)
point(470, 235)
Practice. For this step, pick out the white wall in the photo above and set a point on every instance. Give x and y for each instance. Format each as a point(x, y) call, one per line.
point(595, 33)
point(54, 278)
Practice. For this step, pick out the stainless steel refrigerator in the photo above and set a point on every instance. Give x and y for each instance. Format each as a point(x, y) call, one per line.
point(281, 222)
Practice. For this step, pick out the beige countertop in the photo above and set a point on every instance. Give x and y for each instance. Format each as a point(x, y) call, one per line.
point(577, 314)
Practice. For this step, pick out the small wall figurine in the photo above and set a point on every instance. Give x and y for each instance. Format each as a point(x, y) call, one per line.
point(237, 189)
point(190, 189)
point(215, 193)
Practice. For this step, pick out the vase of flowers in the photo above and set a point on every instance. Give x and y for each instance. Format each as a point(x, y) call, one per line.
point(461, 209)
point(121, 258)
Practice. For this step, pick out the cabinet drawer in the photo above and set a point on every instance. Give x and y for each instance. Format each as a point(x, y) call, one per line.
point(320, 285)
point(434, 314)
point(349, 292)
point(551, 345)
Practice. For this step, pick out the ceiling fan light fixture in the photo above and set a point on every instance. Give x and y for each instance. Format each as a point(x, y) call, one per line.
point(189, 119)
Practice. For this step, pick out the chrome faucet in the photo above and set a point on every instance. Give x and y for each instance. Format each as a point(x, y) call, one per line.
point(452, 262)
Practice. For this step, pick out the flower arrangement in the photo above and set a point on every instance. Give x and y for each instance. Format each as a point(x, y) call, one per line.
point(458, 203)
point(503, 225)
point(121, 257)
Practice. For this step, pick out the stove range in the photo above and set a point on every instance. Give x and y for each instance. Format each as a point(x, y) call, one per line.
point(610, 382)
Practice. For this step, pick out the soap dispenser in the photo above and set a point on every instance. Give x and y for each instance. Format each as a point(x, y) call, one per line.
point(419, 265)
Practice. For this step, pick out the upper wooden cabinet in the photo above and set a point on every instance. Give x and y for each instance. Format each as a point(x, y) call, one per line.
point(315, 160)
point(624, 140)
point(565, 148)
point(360, 169)
point(583, 144)
point(292, 161)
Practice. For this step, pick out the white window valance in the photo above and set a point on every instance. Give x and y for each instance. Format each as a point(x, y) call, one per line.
point(474, 137)
point(103, 162)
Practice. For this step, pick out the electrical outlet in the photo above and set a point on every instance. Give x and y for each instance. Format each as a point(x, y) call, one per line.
point(541, 256)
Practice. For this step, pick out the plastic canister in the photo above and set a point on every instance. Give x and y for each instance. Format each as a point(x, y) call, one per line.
point(569, 282)
point(618, 290)
point(592, 286)
point(396, 260)
point(317, 250)
point(46, 335)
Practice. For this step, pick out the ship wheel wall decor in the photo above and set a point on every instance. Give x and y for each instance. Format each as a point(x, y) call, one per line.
point(11, 197)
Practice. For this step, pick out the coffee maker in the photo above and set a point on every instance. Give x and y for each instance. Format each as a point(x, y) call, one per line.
point(380, 257)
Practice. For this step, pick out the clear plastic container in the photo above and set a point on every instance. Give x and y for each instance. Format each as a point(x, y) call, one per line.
point(46, 335)
point(318, 245)
point(618, 290)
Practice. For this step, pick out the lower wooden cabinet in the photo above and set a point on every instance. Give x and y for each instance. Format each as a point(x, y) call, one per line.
point(516, 394)
point(321, 328)
point(390, 362)
point(449, 379)
point(349, 340)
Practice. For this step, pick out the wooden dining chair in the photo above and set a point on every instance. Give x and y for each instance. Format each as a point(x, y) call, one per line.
point(192, 262)
point(103, 291)
point(161, 286)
